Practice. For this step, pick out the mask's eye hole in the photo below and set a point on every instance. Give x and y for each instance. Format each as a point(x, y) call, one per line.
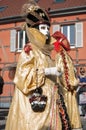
point(43, 28)
point(48, 28)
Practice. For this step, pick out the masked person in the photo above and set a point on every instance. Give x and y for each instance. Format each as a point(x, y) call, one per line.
point(67, 82)
point(34, 105)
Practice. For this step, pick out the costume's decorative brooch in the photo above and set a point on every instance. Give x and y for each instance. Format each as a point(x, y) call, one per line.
point(27, 48)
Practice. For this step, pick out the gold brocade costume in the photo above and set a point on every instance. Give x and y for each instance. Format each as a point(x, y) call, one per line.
point(21, 116)
point(68, 83)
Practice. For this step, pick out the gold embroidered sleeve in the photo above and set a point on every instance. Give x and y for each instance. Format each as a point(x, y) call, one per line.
point(25, 77)
point(68, 78)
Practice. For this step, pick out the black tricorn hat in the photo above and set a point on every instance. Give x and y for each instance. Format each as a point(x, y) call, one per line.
point(34, 15)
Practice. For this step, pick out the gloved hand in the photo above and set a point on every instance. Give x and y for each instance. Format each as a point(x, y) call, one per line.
point(52, 71)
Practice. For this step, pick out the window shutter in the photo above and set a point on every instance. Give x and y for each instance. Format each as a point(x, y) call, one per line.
point(55, 28)
point(79, 34)
point(13, 40)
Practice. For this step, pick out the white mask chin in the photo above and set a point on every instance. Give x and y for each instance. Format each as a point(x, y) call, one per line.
point(45, 29)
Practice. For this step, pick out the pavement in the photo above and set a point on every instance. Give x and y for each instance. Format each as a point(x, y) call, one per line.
point(83, 120)
point(4, 113)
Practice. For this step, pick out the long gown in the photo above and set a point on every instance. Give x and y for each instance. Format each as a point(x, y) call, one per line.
point(21, 116)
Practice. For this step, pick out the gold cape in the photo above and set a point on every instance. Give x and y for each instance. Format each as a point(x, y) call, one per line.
point(21, 116)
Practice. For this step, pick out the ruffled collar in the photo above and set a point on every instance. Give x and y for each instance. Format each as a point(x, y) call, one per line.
point(39, 40)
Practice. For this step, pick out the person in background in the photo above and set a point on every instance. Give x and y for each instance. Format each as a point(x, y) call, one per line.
point(67, 82)
point(82, 90)
point(82, 76)
point(1, 84)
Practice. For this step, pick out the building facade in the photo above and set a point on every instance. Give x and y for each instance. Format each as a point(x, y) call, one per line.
point(67, 16)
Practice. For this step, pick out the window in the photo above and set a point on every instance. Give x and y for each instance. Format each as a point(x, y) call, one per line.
point(21, 40)
point(74, 33)
point(69, 31)
point(36, 0)
point(2, 8)
point(17, 40)
point(59, 1)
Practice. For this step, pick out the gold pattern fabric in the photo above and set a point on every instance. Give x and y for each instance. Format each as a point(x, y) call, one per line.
point(68, 79)
point(21, 116)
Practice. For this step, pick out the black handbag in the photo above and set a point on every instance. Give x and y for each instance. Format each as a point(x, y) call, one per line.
point(37, 100)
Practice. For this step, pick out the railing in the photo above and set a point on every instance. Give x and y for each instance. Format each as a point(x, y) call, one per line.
point(5, 101)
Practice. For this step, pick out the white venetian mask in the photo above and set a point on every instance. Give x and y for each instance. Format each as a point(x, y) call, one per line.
point(45, 29)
